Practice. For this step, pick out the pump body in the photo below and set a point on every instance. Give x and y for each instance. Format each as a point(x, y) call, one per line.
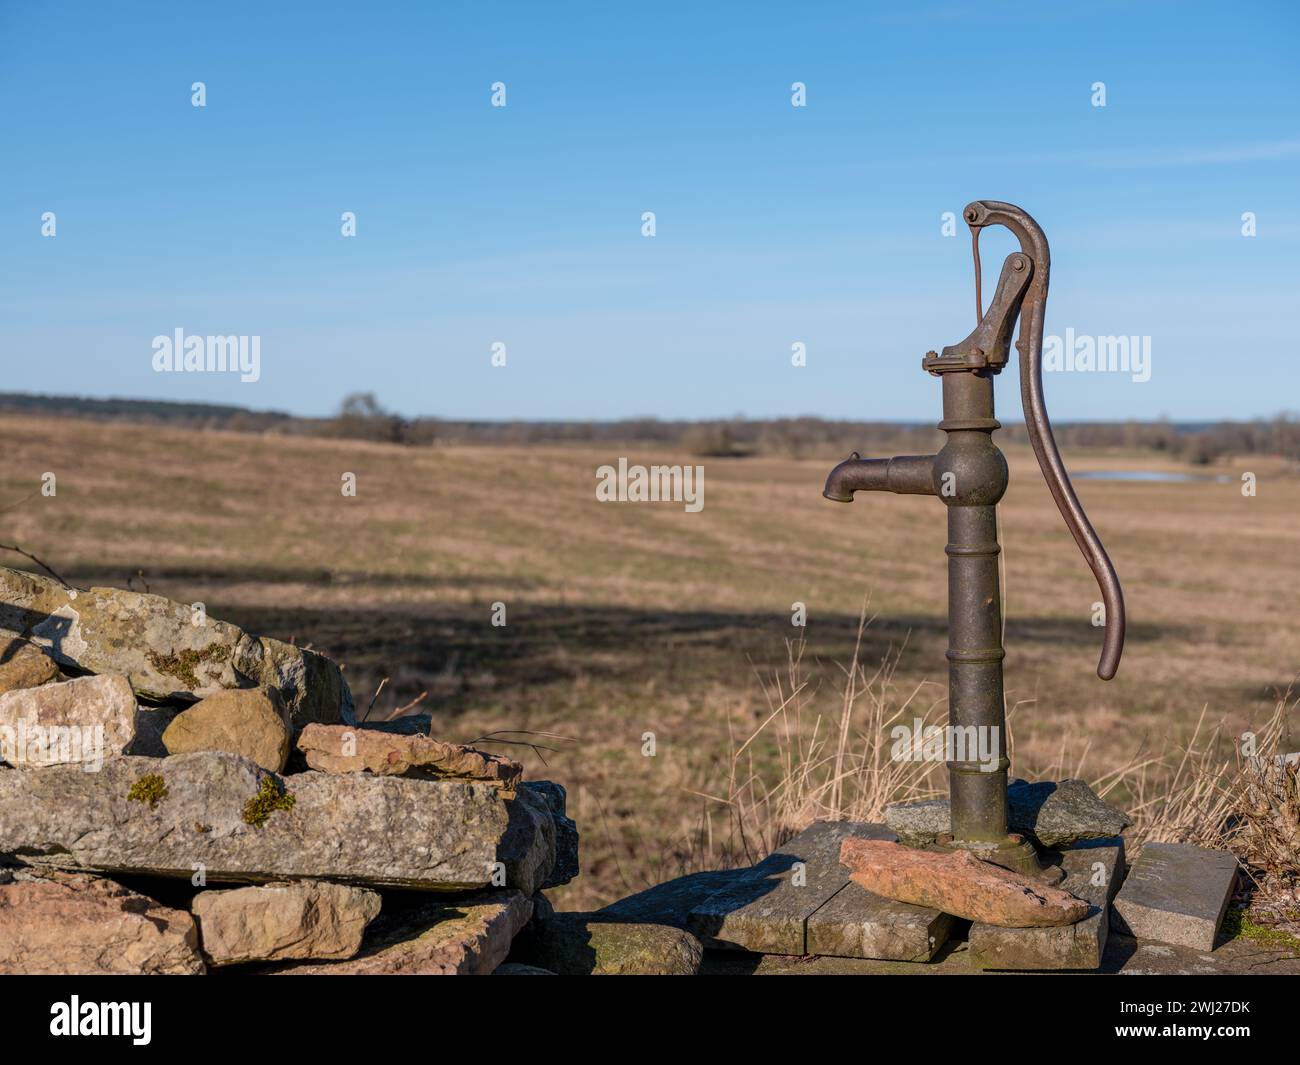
point(969, 475)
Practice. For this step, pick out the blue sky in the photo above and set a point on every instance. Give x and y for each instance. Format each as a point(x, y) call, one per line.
point(522, 224)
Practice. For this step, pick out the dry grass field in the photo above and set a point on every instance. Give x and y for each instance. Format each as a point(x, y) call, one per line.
point(627, 619)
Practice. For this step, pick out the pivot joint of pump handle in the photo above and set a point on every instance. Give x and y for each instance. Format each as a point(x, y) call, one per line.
point(988, 346)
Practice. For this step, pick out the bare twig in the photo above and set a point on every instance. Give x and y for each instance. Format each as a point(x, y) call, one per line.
point(372, 700)
point(15, 506)
point(521, 732)
point(28, 555)
point(414, 702)
point(536, 748)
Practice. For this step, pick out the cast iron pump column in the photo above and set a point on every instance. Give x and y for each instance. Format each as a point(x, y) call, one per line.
point(969, 475)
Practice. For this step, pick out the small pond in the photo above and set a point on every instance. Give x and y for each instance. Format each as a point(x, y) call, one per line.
point(1161, 476)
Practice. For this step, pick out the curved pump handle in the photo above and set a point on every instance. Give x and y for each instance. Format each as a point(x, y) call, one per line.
point(1029, 343)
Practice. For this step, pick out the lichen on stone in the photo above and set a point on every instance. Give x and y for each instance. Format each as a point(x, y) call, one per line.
point(269, 798)
point(181, 663)
point(150, 788)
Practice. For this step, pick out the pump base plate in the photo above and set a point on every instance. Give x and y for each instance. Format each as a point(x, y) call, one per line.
point(1014, 852)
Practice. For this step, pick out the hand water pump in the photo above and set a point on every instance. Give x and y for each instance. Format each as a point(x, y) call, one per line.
point(969, 475)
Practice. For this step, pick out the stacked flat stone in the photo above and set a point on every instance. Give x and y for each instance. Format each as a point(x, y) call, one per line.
point(139, 739)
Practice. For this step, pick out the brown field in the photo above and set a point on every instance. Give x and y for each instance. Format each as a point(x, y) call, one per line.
point(626, 619)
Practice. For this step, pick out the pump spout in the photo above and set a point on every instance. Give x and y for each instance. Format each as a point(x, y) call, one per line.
point(904, 474)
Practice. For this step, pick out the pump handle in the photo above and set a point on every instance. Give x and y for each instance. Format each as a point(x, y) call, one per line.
point(1029, 342)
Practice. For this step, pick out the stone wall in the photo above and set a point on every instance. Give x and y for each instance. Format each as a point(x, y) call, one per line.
point(178, 795)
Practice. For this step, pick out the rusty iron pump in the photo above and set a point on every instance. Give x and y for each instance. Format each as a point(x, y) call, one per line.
point(969, 475)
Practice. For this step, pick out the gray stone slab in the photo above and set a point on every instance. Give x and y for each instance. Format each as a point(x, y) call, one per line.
point(1237, 957)
point(1092, 872)
point(737, 963)
point(400, 832)
point(1048, 813)
point(672, 901)
point(566, 865)
point(1176, 893)
point(919, 823)
point(767, 911)
point(857, 923)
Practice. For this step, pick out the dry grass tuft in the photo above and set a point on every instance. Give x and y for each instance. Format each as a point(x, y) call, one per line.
point(802, 764)
point(1248, 803)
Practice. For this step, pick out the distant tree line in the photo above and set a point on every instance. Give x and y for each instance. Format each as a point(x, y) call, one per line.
point(362, 417)
point(146, 411)
point(1199, 443)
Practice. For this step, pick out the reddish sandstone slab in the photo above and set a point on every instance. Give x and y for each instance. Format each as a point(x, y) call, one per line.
point(344, 749)
point(58, 923)
point(958, 883)
point(468, 937)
